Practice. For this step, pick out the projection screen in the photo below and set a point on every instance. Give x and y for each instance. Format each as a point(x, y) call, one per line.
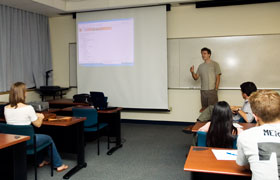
point(123, 53)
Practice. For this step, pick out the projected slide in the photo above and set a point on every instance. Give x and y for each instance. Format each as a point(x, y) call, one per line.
point(106, 43)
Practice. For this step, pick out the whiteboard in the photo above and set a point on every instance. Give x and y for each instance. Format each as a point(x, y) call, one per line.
point(72, 65)
point(241, 58)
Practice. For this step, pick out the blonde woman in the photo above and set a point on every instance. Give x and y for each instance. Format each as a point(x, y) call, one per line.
point(18, 113)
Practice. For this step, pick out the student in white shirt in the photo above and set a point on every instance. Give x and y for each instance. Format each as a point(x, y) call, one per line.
point(259, 147)
point(244, 113)
point(18, 113)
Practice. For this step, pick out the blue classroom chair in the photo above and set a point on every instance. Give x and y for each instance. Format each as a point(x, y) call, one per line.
point(201, 139)
point(91, 124)
point(32, 149)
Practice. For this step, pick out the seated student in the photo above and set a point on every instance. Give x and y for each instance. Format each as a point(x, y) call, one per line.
point(245, 113)
point(239, 113)
point(259, 147)
point(18, 113)
point(220, 130)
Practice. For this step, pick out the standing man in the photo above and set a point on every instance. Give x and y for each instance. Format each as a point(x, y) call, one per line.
point(209, 73)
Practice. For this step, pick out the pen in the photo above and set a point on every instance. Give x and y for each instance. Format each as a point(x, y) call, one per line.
point(231, 154)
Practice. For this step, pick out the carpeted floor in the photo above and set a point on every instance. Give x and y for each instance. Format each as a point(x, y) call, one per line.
point(149, 152)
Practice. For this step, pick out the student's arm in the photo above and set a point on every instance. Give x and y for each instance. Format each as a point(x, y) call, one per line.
point(39, 120)
point(205, 128)
point(246, 112)
point(234, 109)
point(194, 75)
point(239, 130)
point(241, 159)
point(247, 166)
point(218, 78)
point(218, 73)
point(243, 115)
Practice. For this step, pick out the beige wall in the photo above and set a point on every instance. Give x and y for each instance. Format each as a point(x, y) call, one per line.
point(187, 21)
point(183, 21)
point(31, 96)
point(62, 32)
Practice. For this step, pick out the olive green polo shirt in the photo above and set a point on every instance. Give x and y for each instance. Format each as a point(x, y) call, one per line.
point(207, 73)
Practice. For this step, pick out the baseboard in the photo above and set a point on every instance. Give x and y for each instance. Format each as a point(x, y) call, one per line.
point(157, 122)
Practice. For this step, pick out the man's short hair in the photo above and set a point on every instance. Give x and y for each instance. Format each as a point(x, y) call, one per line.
point(266, 105)
point(206, 49)
point(248, 88)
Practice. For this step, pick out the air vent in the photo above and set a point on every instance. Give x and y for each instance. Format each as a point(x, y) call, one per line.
point(204, 4)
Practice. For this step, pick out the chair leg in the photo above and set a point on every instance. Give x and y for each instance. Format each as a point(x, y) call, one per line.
point(35, 164)
point(108, 142)
point(108, 138)
point(35, 157)
point(51, 160)
point(98, 143)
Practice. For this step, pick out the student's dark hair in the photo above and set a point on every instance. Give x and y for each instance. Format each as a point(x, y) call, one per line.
point(221, 130)
point(206, 49)
point(248, 88)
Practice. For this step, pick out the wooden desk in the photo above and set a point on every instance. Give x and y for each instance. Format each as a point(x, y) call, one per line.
point(63, 103)
point(113, 118)
point(13, 157)
point(74, 120)
point(110, 116)
point(51, 110)
point(188, 129)
point(201, 159)
point(7, 140)
point(68, 137)
point(109, 111)
point(198, 125)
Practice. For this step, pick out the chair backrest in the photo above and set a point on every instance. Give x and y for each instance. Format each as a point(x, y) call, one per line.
point(81, 98)
point(89, 113)
point(202, 136)
point(234, 143)
point(2, 106)
point(25, 130)
point(254, 121)
point(98, 100)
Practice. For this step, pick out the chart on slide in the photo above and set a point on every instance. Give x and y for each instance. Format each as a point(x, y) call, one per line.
point(106, 43)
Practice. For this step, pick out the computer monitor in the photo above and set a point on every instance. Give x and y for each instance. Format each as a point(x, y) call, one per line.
point(98, 100)
point(39, 106)
point(2, 107)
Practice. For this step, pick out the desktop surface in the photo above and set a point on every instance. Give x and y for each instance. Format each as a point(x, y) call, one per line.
point(202, 159)
point(58, 122)
point(7, 140)
point(245, 126)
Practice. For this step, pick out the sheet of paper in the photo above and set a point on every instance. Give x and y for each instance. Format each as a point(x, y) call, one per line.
point(225, 154)
point(237, 125)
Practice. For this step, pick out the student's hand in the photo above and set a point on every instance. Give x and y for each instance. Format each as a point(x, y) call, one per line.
point(234, 108)
point(192, 69)
point(40, 115)
point(39, 121)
